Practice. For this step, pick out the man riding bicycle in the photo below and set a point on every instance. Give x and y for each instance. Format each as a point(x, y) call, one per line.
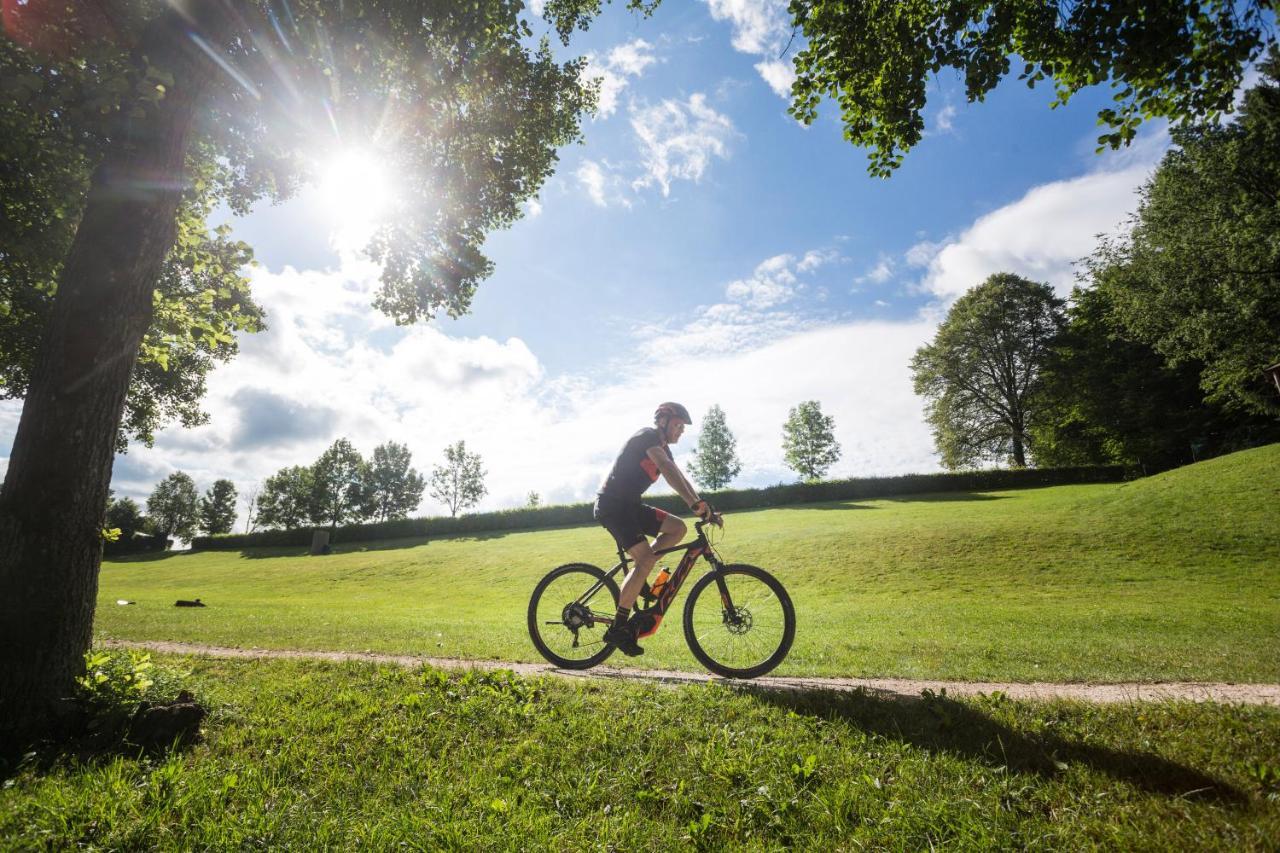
point(619, 510)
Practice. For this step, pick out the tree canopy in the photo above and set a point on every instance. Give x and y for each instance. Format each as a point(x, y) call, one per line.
point(1181, 61)
point(808, 440)
point(980, 374)
point(459, 482)
point(715, 461)
point(218, 508)
point(1197, 276)
point(171, 508)
point(393, 488)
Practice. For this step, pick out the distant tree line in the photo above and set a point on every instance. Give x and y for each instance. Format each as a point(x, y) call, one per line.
point(341, 487)
point(174, 510)
point(1158, 357)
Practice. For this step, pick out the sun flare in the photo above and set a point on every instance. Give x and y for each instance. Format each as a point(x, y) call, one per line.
point(356, 190)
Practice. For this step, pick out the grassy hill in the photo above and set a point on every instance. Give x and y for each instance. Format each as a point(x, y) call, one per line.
point(1172, 577)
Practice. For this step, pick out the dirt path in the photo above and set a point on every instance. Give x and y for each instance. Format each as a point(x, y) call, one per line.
point(1248, 694)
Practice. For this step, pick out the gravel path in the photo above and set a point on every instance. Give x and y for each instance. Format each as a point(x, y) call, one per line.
point(1248, 694)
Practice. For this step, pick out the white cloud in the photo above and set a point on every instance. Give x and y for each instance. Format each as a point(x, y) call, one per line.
point(679, 139)
point(1039, 236)
point(613, 69)
point(533, 208)
point(758, 25)
point(945, 119)
point(632, 58)
point(603, 184)
point(779, 74)
point(772, 284)
point(593, 180)
point(879, 274)
point(761, 28)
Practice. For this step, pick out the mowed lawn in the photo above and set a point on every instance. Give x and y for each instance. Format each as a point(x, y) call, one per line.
point(1174, 577)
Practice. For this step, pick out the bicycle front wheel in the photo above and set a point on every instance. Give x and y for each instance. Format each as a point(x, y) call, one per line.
point(565, 623)
point(739, 621)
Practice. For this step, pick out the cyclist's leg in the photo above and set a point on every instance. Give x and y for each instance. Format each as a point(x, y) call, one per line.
point(642, 554)
point(672, 531)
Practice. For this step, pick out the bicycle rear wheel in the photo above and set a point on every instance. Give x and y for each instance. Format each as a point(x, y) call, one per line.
point(746, 634)
point(566, 628)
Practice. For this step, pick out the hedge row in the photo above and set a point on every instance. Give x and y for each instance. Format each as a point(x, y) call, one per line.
point(732, 499)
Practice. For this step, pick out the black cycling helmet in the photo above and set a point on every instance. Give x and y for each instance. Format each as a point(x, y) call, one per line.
point(672, 410)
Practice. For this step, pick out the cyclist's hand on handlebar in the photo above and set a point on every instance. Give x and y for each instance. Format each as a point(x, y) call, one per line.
point(707, 514)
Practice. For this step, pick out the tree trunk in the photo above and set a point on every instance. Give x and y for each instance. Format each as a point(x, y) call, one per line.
point(54, 495)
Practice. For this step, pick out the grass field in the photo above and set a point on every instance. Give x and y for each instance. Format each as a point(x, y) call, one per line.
point(1175, 577)
point(307, 756)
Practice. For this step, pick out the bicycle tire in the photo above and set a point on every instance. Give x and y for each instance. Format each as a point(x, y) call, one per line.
point(541, 631)
point(786, 610)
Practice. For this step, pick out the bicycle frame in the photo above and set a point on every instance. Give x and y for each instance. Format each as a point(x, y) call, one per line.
point(699, 547)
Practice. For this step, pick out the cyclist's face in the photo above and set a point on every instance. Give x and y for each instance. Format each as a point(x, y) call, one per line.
point(675, 429)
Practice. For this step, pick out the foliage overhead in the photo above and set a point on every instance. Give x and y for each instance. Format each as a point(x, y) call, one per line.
point(716, 461)
point(1198, 275)
point(448, 95)
point(459, 482)
point(980, 374)
point(172, 506)
point(58, 114)
point(808, 441)
point(1180, 61)
point(392, 488)
point(218, 508)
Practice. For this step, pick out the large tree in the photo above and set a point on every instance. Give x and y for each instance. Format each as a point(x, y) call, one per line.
point(218, 508)
point(285, 501)
point(337, 485)
point(981, 372)
point(715, 461)
point(393, 488)
point(172, 506)
point(1107, 398)
point(459, 482)
point(1197, 277)
point(1177, 60)
point(224, 97)
point(809, 441)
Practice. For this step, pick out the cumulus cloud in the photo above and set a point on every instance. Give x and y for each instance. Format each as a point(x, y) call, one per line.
point(944, 121)
point(1039, 236)
point(779, 74)
point(679, 139)
point(879, 274)
point(612, 70)
point(761, 28)
point(603, 185)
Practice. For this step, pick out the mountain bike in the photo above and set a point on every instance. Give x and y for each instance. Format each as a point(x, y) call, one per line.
point(738, 620)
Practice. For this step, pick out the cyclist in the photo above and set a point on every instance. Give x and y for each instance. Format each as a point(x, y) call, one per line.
point(619, 510)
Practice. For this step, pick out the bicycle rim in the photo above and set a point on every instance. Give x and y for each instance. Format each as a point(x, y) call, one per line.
point(748, 639)
point(568, 631)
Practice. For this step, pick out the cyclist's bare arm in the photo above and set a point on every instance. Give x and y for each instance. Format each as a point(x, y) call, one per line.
point(673, 475)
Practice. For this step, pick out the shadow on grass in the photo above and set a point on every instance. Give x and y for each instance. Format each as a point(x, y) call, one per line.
point(340, 548)
point(939, 724)
point(945, 497)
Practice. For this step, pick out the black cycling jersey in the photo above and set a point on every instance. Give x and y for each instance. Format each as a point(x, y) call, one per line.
point(633, 471)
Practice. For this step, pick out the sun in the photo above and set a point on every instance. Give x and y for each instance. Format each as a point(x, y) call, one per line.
point(356, 191)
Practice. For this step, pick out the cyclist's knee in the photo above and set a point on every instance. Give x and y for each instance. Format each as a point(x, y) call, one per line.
point(675, 526)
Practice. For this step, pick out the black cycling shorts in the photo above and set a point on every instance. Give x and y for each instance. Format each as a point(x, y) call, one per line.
point(628, 523)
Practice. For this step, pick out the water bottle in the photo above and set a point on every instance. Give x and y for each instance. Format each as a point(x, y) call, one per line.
point(655, 588)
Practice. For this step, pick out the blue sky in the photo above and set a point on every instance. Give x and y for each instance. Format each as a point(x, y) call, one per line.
point(699, 246)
